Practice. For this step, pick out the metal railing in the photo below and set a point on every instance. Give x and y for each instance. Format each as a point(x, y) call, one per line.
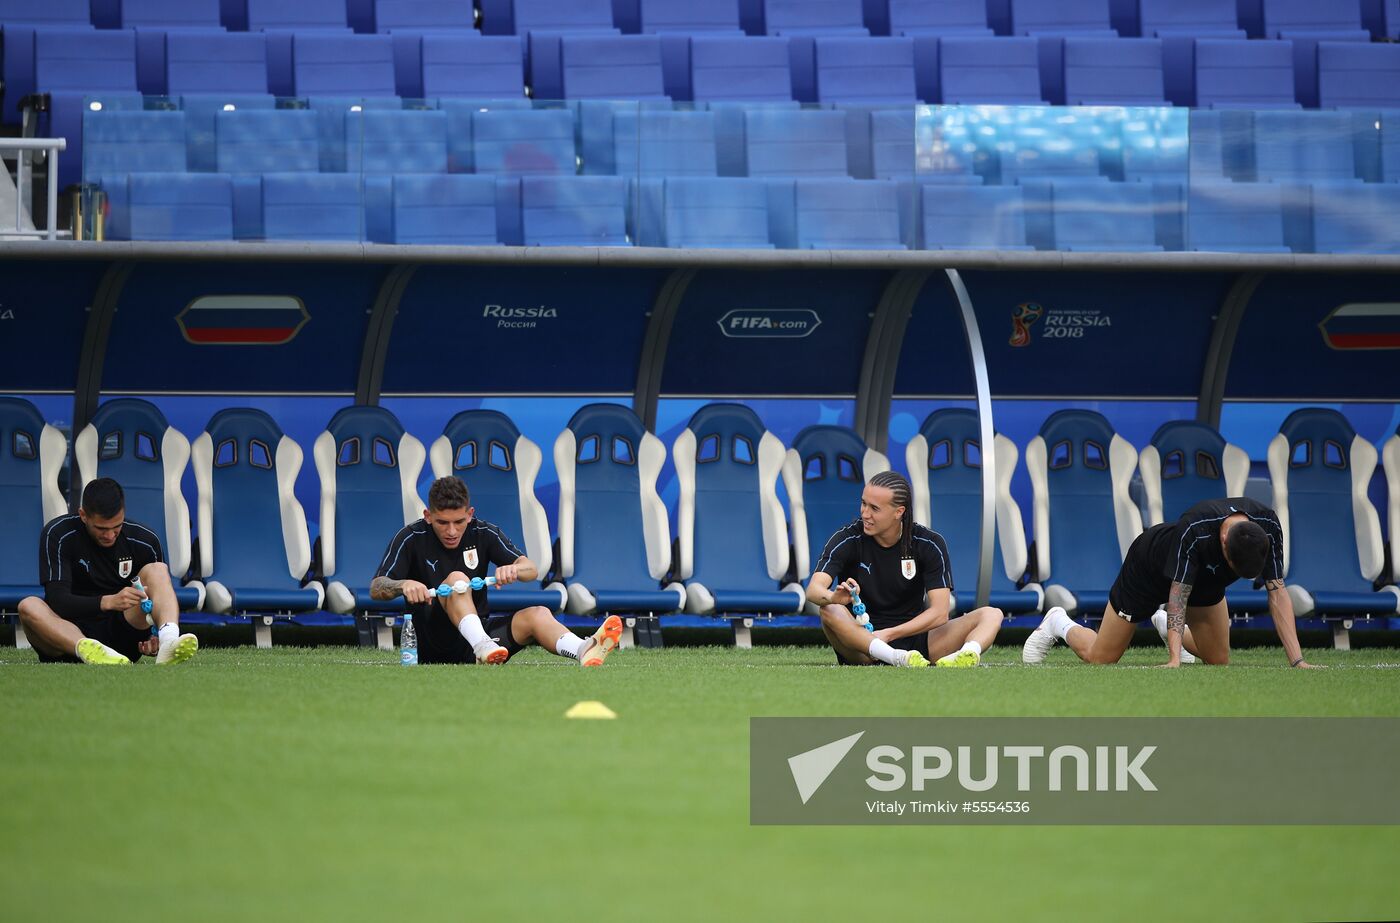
point(21, 151)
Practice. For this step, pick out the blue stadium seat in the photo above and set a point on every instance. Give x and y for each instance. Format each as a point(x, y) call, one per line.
point(990, 71)
point(339, 74)
point(129, 439)
point(722, 212)
point(1084, 517)
point(281, 21)
point(574, 211)
point(1157, 148)
point(791, 143)
point(249, 143)
point(1306, 23)
point(1113, 72)
point(864, 70)
point(1304, 147)
point(846, 214)
point(31, 455)
point(18, 20)
point(1235, 217)
point(457, 210)
point(611, 67)
point(800, 21)
point(731, 537)
point(824, 472)
point(1104, 216)
point(1354, 76)
point(544, 23)
point(1178, 23)
point(499, 465)
point(152, 20)
point(254, 549)
point(122, 142)
point(521, 142)
point(1188, 462)
point(396, 141)
point(1239, 74)
point(614, 535)
point(1355, 218)
point(309, 206)
point(482, 68)
point(1321, 471)
point(180, 206)
point(409, 22)
point(663, 143)
point(212, 72)
point(949, 17)
point(1391, 455)
point(973, 218)
point(1050, 22)
point(732, 76)
point(945, 473)
point(82, 71)
point(368, 469)
point(675, 22)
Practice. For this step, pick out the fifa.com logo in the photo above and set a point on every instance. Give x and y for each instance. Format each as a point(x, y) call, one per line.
point(979, 769)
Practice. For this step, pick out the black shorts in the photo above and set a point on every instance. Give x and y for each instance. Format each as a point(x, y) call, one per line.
point(112, 629)
point(917, 642)
point(439, 641)
point(1141, 590)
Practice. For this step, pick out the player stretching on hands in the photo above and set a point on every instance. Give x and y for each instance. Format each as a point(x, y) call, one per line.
point(1187, 565)
point(901, 572)
point(91, 612)
point(449, 545)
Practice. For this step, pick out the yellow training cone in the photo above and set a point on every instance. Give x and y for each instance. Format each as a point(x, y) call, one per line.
point(590, 710)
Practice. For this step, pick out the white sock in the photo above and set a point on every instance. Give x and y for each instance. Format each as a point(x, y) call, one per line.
point(168, 633)
point(1060, 625)
point(883, 652)
point(570, 645)
point(974, 647)
point(470, 628)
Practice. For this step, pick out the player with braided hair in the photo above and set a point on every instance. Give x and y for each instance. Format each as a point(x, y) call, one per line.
point(902, 574)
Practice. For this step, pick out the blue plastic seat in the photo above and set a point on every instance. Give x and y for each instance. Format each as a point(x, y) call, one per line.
point(181, 206)
point(574, 211)
point(731, 538)
point(973, 218)
point(121, 142)
point(409, 22)
point(281, 21)
point(948, 17)
point(1321, 472)
point(1050, 22)
point(800, 21)
point(521, 142)
point(254, 549)
point(847, 214)
point(725, 212)
point(543, 24)
point(1238, 217)
point(675, 22)
point(396, 141)
point(311, 206)
point(499, 466)
point(31, 455)
point(18, 20)
point(152, 20)
point(864, 70)
point(130, 440)
point(733, 76)
point(1178, 23)
point(456, 209)
point(1356, 76)
point(1303, 147)
point(1105, 216)
point(368, 467)
point(792, 143)
point(1188, 462)
point(481, 68)
point(338, 74)
point(650, 145)
point(1382, 17)
point(824, 472)
point(1084, 517)
point(990, 71)
point(945, 474)
point(1305, 24)
point(249, 143)
point(614, 534)
point(80, 70)
point(1239, 74)
point(1113, 72)
point(1356, 218)
point(212, 72)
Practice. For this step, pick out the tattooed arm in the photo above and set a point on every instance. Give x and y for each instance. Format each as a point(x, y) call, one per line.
point(387, 588)
point(1281, 608)
point(1176, 621)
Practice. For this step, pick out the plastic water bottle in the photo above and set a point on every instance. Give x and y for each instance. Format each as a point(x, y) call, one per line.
point(408, 642)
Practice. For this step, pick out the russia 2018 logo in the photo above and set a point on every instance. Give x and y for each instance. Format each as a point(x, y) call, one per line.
point(1022, 318)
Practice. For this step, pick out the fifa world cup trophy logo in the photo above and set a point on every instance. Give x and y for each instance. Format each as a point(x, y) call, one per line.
point(1021, 320)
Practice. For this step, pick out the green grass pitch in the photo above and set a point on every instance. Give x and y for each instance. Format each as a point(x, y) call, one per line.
point(330, 783)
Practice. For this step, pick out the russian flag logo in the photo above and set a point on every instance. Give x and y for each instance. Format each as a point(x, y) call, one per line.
point(242, 320)
point(1363, 326)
